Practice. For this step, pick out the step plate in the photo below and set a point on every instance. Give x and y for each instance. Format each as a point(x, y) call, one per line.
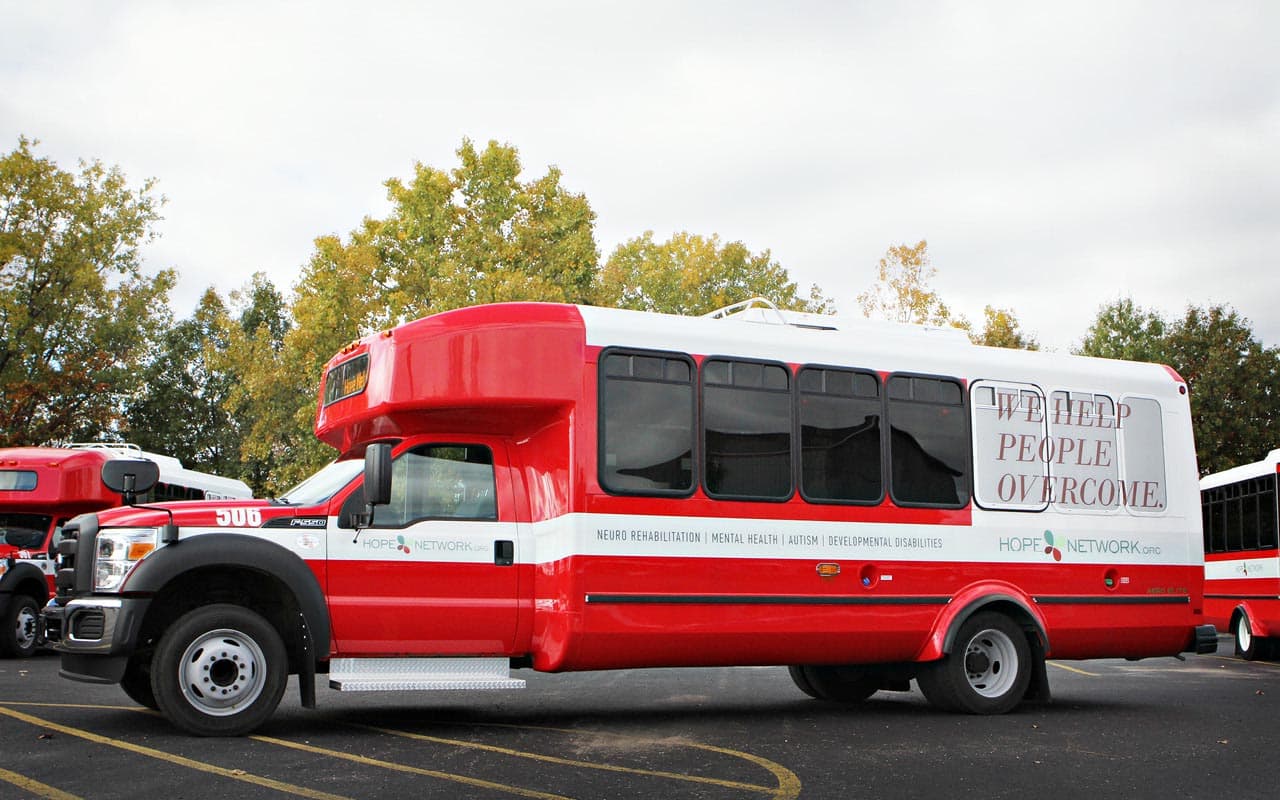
point(421, 674)
point(410, 683)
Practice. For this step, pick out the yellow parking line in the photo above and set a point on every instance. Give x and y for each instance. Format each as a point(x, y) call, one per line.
point(34, 787)
point(788, 782)
point(569, 762)
point(1073, 669)
point(1250, 663)
point(239, 775)
point(373, 762)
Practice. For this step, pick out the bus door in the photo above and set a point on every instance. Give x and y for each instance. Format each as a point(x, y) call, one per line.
point(435, 573)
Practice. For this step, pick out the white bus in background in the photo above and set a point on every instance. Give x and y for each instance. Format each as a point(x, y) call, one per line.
point(43, 487)
point(1241, 557)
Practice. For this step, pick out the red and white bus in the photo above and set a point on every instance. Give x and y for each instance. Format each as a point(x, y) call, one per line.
point(43, 487)
point(567, 488)
point(1241, 558)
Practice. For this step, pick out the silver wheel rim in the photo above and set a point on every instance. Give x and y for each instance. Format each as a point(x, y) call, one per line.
point(222, 672)
point(991, 663)
point(1244, 636)
point(24, 632)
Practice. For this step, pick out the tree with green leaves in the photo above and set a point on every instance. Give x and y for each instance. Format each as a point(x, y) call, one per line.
point(180, 409)
point(478, 234)
point(690, 274)
point(78, 317)
point(473, 234)
point(1124, 330)
point(1232, 379)
point(1231, 376)
point(262, 395)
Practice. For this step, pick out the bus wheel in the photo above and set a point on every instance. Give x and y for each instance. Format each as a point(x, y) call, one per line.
point(988, 671)
point(18, 627)
point(835, 684)
point(219, 671)
point(1246, 642)
point(137, 685)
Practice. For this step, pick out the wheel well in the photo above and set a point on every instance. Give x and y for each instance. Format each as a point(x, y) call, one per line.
point(256, 591)
point(36, 590)
point(1236, 614)
point(1036, 636)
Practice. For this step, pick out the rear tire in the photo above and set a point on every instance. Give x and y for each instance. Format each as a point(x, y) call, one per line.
point(835, 684)
point(220, 670)
point(987, 672)
point(1248, 646)
point(18, 623)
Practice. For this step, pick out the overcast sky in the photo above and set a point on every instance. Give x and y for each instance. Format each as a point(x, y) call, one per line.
point(1056, 157)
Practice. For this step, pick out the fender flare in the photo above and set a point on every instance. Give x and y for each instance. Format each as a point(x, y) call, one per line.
point(970, 601)
point(1256, 625)
point(23, 573)
point(244, 552)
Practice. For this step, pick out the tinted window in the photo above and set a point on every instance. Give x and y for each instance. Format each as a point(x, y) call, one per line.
point(928, 442)
point(17, 480)
point(746, 413)
point(1240, 516)
point(646, 429)
point(840, 436)
point(24, 531)
point(1267, 512)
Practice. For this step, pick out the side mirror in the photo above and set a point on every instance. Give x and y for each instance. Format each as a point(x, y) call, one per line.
point(131, 477)
point(377, 475)
point(377, 484)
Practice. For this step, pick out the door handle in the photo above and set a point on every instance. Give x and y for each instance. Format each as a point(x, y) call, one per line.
point(504, 552)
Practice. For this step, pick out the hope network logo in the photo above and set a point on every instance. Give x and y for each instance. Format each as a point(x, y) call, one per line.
point(1051, 549)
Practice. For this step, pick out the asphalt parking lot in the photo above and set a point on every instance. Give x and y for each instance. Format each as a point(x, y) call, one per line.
point(1202, 727)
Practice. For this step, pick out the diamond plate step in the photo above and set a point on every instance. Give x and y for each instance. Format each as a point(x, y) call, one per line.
point(421, 674)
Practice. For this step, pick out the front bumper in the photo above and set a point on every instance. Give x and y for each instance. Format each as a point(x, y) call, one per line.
point(95, 635)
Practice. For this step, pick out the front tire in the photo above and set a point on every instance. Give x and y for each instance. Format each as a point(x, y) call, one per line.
point(219, 671)
point(18, 627)
point(987, 672)
point(136, 683)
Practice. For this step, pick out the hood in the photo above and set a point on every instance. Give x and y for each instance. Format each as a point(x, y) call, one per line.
point(9, 551)
point(208, 514)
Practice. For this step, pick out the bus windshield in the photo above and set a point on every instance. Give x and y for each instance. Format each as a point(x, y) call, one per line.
point(323, 484)
point(24, 530)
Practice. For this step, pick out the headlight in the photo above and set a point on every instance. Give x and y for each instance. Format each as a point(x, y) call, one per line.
point(118, 552)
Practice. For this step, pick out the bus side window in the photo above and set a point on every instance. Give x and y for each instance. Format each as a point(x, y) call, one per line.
point(928, 442)
point(1267, 513)
point(646, 423)
point(1009, 438)
point(746, 429)
point(1142, 434)
point(839, 436)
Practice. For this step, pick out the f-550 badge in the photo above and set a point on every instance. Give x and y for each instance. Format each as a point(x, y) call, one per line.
point(238, 517)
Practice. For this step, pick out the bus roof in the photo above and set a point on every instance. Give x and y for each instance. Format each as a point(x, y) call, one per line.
point(500, 356)
point(1267, 466)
